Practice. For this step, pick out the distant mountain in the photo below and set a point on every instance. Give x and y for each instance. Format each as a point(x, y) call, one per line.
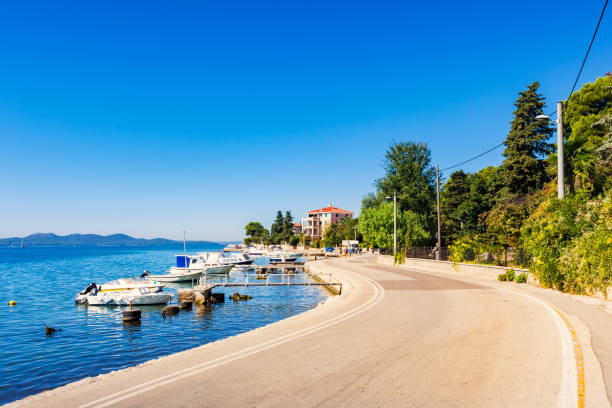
point(49, 239)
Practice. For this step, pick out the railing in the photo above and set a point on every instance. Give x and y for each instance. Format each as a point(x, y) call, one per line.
point(504, 257)
point(205, 281)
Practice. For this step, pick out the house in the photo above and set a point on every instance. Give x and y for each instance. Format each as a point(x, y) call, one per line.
point(297, 228)
point(316, 222)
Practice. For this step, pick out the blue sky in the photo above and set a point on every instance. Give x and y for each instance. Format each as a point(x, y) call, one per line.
point(148, 118)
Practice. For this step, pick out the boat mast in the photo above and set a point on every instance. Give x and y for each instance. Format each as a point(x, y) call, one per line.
point(185, 248)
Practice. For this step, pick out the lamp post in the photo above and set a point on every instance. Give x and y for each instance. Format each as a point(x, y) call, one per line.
point(560, 164)
point(439, 245)
point(394, 221)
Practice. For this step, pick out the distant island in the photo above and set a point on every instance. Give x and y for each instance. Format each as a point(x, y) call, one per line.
point(50, 239)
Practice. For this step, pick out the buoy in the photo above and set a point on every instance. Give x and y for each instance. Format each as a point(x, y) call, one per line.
point(131, 315)
point(12, 303)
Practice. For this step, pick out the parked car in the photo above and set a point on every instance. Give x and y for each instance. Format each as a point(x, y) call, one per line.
point(329, 249)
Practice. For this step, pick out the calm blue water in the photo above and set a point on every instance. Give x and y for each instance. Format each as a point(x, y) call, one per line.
point(93, 339)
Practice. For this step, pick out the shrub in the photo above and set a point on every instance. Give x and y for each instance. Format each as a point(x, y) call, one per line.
point(522, 278)
point(502, 277)
point(510, 275)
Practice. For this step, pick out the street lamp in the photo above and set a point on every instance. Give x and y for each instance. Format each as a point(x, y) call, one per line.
point(560, 169)
point(394, 221)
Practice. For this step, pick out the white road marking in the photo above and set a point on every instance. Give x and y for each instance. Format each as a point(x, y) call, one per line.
point(114, 398)
point(568, 396)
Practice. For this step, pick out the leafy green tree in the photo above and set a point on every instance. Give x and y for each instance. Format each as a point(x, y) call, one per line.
point(334, 234)
point(376, 226)
point(526, 144)
point(586, 133)
point(408, 172)
point(254, 231)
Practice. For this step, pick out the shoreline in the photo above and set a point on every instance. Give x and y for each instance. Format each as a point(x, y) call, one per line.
point(322, 307)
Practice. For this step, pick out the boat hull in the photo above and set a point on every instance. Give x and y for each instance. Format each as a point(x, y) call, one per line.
point(107, 299)
point(177, 277)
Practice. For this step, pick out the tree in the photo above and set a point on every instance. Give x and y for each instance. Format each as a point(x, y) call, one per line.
point(586, 133)
point(409, 173)
point(376, 226)
point(455, 209)
point(276, 230)
point(254, 231)
point(287, 226)
point(526, 144)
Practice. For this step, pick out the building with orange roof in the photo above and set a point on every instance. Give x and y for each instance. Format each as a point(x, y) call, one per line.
point(317, 221)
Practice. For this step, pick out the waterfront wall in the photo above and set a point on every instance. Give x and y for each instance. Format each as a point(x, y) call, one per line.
point(429, 265)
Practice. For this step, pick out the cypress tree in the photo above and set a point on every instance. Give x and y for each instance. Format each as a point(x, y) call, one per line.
point(526, 144)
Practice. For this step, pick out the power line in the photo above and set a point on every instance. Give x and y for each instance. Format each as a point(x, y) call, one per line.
point(551, 114)
point(473, 158)
point(588, 50)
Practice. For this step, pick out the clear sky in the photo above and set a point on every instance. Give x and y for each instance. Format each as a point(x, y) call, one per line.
point(148, 118)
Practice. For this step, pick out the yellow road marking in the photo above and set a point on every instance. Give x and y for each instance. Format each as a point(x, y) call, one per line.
point(578, 356)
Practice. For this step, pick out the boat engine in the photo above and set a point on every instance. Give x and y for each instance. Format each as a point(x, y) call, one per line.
point(81, 297)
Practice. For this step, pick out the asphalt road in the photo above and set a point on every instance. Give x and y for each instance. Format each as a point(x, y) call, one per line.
point(394, 338)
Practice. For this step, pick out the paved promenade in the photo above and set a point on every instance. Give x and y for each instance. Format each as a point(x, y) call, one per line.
point(394, 338)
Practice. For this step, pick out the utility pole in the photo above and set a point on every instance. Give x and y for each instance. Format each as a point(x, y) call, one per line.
point(560, 169)
point(439, 248)
point(394, 222)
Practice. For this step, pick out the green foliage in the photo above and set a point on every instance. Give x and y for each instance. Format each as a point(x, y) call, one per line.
point(376, 227)
point(399, 258)
point(585, 134)
point(523, 167)
point(282, 228)
point(510, 275)
point(294, 240)
point(343, 230)
point(586, 263)
point(553, 226)
point(502, 277)
point(255, 232)
point(521, 278)
point(408, 172)
point(248, 241)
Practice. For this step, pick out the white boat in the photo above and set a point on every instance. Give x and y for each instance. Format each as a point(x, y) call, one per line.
point(210, 263)
point(255, 253)
point(281, 257)
point(177, 275)
point(123, 292)
point(236, 259)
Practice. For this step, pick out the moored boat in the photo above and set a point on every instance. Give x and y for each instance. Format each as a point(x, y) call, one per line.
point(123, 292)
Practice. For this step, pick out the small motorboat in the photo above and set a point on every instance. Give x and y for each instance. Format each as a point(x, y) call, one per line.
point(281, 257)
point(211, 263)
point(177, 275)
point(123, 292)
point(236, 259)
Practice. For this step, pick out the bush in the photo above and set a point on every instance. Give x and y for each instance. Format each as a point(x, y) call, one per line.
point(522, 278)
point(294, 240)
point(510, 275)
point(502, 277)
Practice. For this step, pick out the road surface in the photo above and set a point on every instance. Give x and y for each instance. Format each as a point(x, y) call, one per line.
point(395, 337)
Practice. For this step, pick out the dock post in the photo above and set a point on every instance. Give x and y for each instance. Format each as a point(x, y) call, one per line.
point(267, 279)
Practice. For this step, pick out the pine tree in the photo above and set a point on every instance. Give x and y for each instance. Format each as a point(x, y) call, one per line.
point(276, 230)
point(287, 226)
point(526, 144)
point(455, 197)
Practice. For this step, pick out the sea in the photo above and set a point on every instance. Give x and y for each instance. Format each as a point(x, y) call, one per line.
point(93, 340)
